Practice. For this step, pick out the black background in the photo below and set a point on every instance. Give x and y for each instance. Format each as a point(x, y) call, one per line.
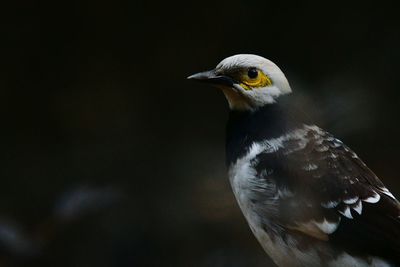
point(95, 109)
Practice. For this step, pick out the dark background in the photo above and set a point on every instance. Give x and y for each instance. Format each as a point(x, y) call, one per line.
point(110, 157)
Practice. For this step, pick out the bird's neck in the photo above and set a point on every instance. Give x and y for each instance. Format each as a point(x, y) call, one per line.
point(246, 127)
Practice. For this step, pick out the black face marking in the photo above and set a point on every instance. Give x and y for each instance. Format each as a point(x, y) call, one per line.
point(252, 73)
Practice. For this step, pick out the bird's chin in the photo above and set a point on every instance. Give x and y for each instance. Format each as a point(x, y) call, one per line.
point(235, 97)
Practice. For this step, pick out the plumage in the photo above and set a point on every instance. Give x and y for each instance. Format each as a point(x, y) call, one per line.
point(333, 200)
point(308, 198)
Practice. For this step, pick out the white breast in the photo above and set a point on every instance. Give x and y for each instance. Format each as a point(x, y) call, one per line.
point(244, 180)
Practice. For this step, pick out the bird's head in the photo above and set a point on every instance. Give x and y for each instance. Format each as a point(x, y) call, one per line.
point(248, 81)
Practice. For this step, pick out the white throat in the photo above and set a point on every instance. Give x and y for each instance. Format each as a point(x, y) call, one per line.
point(252, 100)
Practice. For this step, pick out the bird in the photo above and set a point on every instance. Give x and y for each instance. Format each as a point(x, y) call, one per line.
point(308, 198)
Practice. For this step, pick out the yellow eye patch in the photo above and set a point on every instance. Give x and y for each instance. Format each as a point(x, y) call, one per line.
point(254, 78)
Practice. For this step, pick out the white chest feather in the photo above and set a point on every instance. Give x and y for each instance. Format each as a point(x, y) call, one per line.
point(245, 183)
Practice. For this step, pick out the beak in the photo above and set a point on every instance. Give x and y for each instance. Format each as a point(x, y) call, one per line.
point(212, 78)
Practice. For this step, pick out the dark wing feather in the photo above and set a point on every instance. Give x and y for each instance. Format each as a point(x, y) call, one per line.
point(333, 195)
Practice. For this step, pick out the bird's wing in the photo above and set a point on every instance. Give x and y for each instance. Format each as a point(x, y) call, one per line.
point(325, 191)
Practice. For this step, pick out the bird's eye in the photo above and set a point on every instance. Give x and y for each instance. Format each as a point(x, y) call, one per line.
point(252, 73)
point(254, 78)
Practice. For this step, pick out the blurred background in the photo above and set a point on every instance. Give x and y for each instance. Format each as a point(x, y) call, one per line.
point(110, 157)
